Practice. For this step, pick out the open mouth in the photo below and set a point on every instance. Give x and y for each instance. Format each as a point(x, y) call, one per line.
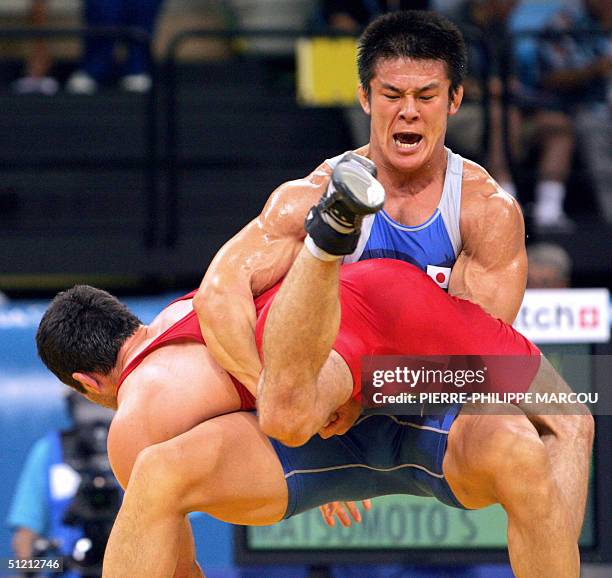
point(407, 140)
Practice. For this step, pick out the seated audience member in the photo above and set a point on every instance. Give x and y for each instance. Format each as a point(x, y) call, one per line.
point(550, 267)
point(574, 77)
point(544, 121)
point(485, 24)
point(98, 52)
point(37, 78)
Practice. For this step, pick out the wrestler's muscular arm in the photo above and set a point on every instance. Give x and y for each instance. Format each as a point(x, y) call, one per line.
point(248, 264)
point(491, 269)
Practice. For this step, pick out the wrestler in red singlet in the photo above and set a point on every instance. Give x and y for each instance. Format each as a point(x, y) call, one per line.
point(388, 308)
point(186, 328)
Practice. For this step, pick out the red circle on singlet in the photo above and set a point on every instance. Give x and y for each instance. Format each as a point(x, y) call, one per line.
point(440, 277)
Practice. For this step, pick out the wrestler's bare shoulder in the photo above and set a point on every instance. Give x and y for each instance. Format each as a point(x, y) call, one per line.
point(288, 205)
point(180, 379)
point(478, 184)
point(169, 316)
point(294, 198)
point(482, 195)
point(174, 389)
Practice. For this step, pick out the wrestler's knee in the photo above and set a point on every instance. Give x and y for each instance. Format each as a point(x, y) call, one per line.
point(283, 413)
point(153, 480)
point(286, 426)
point(167, 479)
point(586, 428)
point(570, 423)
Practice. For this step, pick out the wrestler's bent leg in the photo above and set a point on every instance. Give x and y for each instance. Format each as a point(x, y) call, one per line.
point(293, 403)
point(225, 467)
point(501, 459)
point(305, 317)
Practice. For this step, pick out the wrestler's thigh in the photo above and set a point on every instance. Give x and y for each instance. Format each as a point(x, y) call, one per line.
point(478, 443)
point(227, 468)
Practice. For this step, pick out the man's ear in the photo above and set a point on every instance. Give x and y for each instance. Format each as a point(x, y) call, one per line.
point(455, 102)
point(90, 383)
point(364, 99)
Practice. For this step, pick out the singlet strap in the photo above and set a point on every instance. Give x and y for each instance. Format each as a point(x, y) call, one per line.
point(450, 203)
point(178, 331)
point(186, 328)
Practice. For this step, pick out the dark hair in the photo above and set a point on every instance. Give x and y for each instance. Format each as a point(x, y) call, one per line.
point(83, 330)
point(420, 35)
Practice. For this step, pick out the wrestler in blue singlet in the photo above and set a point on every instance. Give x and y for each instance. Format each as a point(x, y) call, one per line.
point(433, 246)
point(386, 454)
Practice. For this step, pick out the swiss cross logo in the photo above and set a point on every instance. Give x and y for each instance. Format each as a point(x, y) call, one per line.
point(441, 275)
point(588, 317)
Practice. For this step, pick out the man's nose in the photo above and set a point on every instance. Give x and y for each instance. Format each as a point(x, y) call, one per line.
point(409, 110)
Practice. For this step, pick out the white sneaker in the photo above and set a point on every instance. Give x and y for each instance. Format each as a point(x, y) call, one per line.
point(552, 221)
point(35, 85)
point(81, 83)
point(136, 83)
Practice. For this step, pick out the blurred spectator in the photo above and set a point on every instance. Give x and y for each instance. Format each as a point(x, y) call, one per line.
point(534, 131)
point(98, 58)
point(550, 267)
point(351, 16)
point(485, 24)
point(540, 123)
point(37, 78)
point(575, 77)
point(271, 15)
point(40, 495)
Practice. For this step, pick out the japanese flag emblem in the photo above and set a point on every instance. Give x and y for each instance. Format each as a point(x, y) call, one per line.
point(440, 275)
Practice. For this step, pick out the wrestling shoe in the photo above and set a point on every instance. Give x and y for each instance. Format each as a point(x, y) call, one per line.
point(334, 224)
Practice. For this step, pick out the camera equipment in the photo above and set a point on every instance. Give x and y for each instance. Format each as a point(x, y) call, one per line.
point(98, 498)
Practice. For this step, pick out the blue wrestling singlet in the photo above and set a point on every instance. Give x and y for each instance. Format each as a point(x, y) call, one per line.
point(379, 455)
point(433, 246)
point(386, 454)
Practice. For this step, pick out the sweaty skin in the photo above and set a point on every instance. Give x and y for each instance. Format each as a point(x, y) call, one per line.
point(179, 388)
point(150, 409)
point(405, 96)
point(227, 467)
